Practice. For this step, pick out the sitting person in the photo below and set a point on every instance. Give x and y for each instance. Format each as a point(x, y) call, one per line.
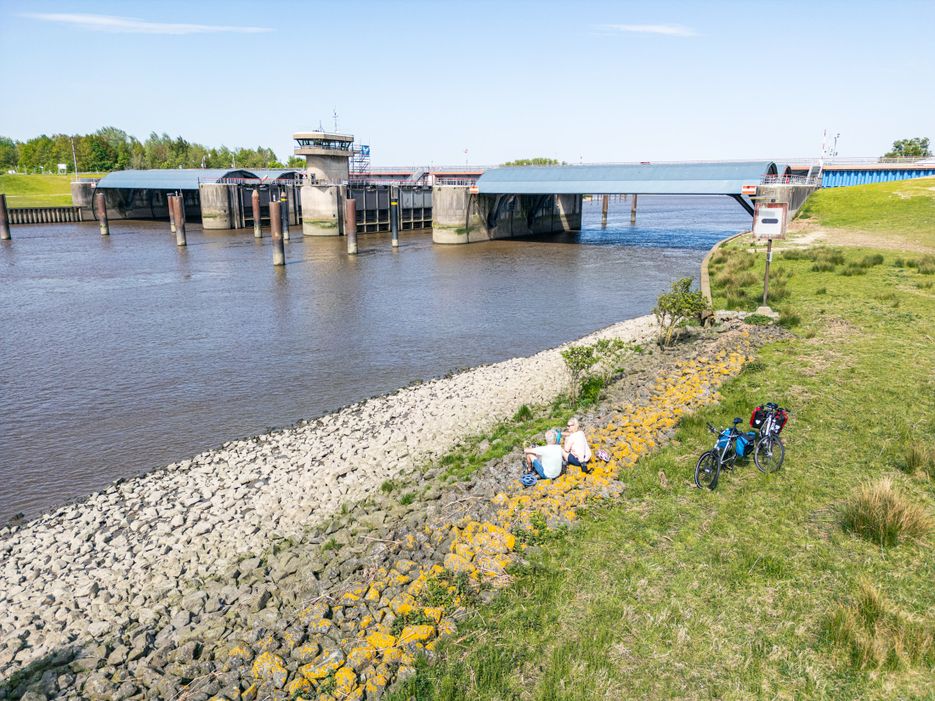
point(575, 448)
point(545, 460)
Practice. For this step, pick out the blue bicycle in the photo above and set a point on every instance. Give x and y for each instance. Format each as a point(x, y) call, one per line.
point(731, 444)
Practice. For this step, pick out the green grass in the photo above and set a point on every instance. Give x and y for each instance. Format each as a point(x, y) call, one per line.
point(38, 190)
point(904, 207)
point(756, 590)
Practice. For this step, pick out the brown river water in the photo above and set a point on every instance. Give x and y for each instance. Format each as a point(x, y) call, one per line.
point(122, 354)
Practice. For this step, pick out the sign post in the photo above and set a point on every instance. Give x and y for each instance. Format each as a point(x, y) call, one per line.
point(769, 222)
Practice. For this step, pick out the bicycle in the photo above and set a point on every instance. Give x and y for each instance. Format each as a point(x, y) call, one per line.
point(769, 452)
point(722, 456)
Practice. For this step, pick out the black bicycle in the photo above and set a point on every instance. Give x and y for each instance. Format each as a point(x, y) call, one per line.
point(722, 456)
point(769, 452)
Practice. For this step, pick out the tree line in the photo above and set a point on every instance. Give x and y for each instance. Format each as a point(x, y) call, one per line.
point(110, 149)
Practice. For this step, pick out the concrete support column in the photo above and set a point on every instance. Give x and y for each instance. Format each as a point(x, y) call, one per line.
point(4, 220)
point(321, 209)
point(455, 215)
point(275, 225)
point(633, 210)
point(100, 209)
point(604, 211)
point(569, 212)
point(350, 225)
point(216, 206)
point(257, 222)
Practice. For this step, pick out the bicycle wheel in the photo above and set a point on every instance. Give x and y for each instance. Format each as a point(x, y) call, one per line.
point(707, 470)
point(768, 454)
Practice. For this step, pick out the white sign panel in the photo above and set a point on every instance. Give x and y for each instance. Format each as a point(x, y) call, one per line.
point(769, 220)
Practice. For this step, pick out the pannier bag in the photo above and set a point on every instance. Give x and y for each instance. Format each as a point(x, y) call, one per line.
point(744, 444)
point(757, 417)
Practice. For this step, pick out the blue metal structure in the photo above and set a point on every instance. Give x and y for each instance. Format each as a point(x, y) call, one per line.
point(716, 178)
point(845, 177)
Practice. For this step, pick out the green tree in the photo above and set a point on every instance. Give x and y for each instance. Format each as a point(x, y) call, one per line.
point(677, 306)
point(296, 162)
point(538, 161)
point(8, 153)
point(910, 148)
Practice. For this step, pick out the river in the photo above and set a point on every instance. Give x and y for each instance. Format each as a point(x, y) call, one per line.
point(124, 353)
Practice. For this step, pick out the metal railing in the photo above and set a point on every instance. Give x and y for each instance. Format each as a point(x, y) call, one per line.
point(792, 180)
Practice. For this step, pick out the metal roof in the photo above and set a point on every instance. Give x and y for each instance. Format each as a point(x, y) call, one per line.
point(715, 178)
point(168, 178)
point(275, 173)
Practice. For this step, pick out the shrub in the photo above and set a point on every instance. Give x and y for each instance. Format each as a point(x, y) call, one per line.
point(899, 263)
point(870, 261)
point(877, 634)
point(578, 361)
point(524, 413)
point(823, 268)
point(677, 306)
point(879, 512)
point(758, 320)
point(407, 498)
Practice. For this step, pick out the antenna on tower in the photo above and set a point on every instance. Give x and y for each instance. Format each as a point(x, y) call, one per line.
point(320, 127)
point(335, 115)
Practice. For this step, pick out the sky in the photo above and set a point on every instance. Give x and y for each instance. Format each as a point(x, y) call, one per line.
point(445, 82)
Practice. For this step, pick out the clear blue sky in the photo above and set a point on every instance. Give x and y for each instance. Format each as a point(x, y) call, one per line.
point(422, 81)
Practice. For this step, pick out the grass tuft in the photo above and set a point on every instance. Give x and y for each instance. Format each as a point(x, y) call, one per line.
point(879, 635)
point(919, 458)
point(882, 514)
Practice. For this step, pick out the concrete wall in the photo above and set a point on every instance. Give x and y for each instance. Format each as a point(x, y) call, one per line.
point(456, 215)
point(81, 194)
point(794, 195)
point(322, 207)
point(459, 217)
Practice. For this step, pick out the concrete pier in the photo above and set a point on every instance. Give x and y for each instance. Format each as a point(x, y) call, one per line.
point(217, 207)
point(275, 225)
point(4, 220)
point(455, 216)
point(284, 207)
point(633, 210)
point(100, 210)
point(257, 214)
point(320, 209)
point(350, 225)
point(604, 205)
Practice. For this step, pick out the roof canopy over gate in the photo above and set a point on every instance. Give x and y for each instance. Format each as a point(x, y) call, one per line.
point(185, 178)
point(714, 178)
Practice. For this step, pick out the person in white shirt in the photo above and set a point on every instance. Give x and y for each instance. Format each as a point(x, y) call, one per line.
point(545, 460)
point(575, 448)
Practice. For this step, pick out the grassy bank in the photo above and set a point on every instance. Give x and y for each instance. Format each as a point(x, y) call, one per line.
point(904, 210)
point(38, 190)
point(768, 587)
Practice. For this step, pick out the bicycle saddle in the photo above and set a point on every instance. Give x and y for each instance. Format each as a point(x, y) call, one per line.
point(737, 421)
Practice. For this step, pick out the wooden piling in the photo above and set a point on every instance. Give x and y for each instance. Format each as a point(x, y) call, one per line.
point(633, 210)
point(170, 204)
point(4, 220)
point(350, 225)
point(257, 223)
point(604, 210)
point(180, 238)
point(394, 215)
point(100, 209)
point(275, 225)
point(284, 208)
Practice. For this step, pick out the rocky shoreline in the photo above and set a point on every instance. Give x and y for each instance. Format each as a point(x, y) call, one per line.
point(148, 562)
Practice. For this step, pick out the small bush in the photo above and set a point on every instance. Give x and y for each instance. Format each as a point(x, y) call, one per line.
point(879, 635)
point(677, 306)
point(823, 268)
point(407, 498)
point(870, 261)
point(853, 269)
point(524, 413)
point(879, 512)
point(899, 263)
point(757, 320)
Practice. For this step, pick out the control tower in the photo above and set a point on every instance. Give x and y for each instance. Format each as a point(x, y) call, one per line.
point(325, 189)
point(326, 155)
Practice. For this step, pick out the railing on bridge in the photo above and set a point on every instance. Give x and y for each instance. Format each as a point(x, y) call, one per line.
point(806, 180)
